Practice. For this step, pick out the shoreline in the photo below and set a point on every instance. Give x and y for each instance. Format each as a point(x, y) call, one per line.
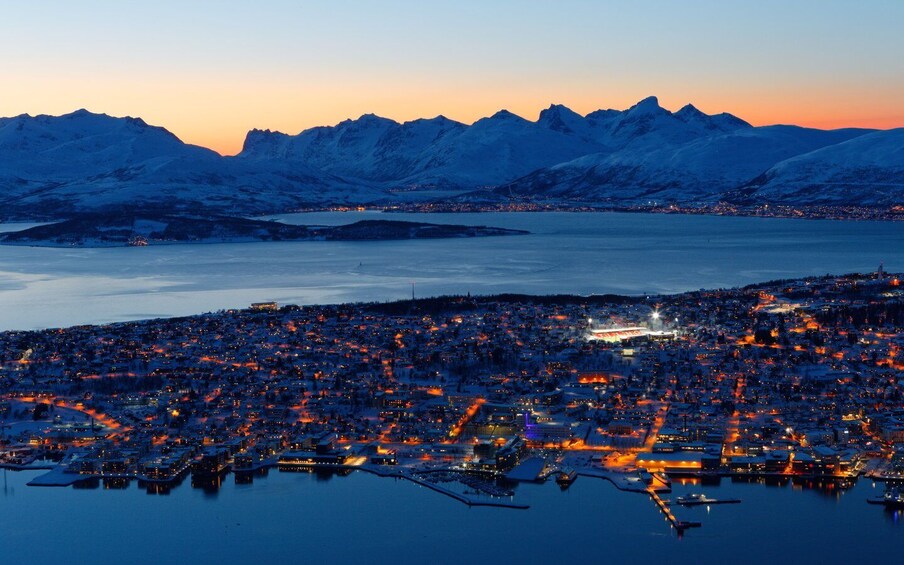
point(723, 209)
point(450, 300)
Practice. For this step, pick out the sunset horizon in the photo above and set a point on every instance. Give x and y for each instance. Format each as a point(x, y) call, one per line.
point(291, 66)
point(232, 145)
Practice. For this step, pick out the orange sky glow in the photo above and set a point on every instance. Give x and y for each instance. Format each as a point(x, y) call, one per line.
point(289, 66)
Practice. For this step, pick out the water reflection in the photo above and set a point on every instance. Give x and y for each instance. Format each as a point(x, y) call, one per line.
point(116, 483)
point(209, 484)
point(90, 483)
point(7, 490)
point(894, 515)
point(247, 477)
point(398, 519)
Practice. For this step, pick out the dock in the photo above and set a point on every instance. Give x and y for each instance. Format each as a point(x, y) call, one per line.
point(708, 501)
point(663, 505)
point(57, 477)
point(461, 497)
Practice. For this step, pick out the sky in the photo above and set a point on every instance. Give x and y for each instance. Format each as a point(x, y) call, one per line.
point(210, 70)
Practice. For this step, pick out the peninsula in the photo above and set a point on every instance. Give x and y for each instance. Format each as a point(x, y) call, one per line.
point(133, 229)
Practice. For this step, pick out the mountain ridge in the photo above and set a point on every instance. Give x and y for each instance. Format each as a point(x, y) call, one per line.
point(58, 166)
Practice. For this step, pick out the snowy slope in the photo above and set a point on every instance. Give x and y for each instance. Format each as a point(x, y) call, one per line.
point(370, 147)
point(52, 166)
point(428, 152)
point(698, 170)
point(866, 170)
point(492, 151)
point(82, 143)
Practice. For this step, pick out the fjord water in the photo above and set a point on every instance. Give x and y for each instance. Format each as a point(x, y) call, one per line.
point(581, 253)
point(299, 517)
point(307, 518)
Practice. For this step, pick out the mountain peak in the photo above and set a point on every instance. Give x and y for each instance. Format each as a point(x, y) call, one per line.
point(440, 119)
point(724, 121)
point(560, 118)
point(558, 110)
point(648, 105)
point(368, 120)
point(689, 110)
point(501, 117)
point(80, 113)
point(265, 132)
point(504, 115)
point(255, 138)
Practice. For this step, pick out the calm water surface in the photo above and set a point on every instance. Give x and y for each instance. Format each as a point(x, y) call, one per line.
point(300, 517)
point(580, 253)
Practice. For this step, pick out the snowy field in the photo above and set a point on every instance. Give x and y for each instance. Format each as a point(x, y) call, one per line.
point(580, 253)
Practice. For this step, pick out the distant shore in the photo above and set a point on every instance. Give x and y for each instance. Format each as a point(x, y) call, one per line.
point(893, 213)
point(810, 212)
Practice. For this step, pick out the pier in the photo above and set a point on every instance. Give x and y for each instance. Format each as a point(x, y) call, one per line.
point(463, 498)
point(706, 501)
point(663, 505)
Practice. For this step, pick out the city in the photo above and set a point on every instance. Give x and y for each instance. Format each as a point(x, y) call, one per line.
point(794, 379)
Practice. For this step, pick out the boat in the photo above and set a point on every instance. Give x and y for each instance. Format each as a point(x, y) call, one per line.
point(893, 499)
point(566, 476)
point(700, 499)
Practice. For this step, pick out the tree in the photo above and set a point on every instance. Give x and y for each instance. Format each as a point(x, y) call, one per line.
point(40, 411)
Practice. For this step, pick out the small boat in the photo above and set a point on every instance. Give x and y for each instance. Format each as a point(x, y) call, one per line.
point(893, 498)
point(566, 476)
point(700, 499)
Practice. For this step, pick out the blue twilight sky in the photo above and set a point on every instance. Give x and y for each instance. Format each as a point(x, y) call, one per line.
point(210, 70)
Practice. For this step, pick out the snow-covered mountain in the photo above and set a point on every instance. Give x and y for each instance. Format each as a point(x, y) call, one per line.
point(643, 154)
point(57, 166)
point(492, 151)
point(436, 152)
point(867, 170)
point(700, 169)
point(659, 156)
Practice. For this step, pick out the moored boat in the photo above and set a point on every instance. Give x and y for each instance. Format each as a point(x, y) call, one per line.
point(700, 499)
point(893, 498)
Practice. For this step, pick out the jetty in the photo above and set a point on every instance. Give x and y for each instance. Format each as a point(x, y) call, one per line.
point(462, 498)
point(663, 505)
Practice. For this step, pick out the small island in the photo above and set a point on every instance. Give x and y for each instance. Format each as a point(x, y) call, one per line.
point(134, 229)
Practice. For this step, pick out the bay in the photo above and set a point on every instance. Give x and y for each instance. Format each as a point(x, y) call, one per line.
point(580, 253)
point(305, 517)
